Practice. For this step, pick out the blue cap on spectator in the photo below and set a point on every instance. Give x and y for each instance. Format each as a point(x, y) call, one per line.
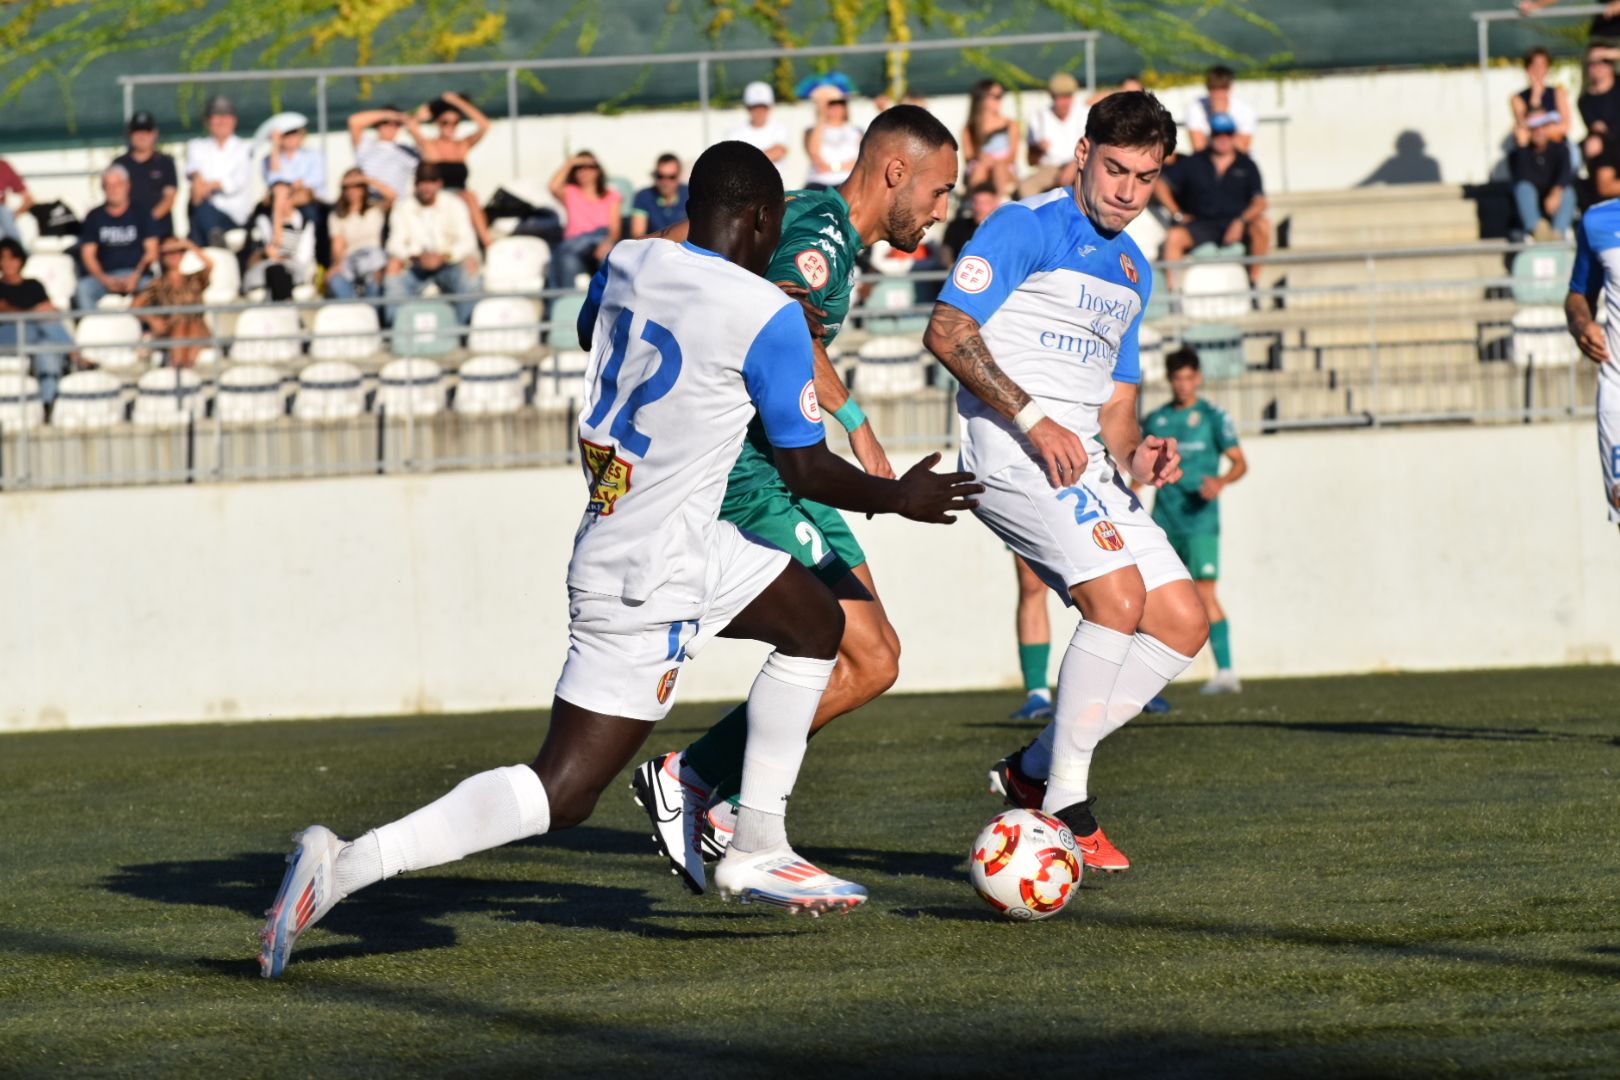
point(1222, 124)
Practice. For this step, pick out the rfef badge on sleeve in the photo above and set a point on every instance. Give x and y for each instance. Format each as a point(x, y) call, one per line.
point(609, 476)
point(813, 265)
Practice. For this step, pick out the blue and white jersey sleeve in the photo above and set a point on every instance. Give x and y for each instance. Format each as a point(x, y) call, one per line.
point(1587, 274)
point(1005, 250)
point(779, 371)
point(586, 322)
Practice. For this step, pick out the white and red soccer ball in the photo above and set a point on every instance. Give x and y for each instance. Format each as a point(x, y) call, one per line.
point(1025, 864)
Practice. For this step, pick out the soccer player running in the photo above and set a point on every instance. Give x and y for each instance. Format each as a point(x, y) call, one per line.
point(1597, 268)
point(1039, 323)
point(1187, 510)
point(898, 188)
point(688, 344)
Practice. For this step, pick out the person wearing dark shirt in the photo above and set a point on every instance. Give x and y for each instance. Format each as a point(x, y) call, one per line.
point(1543, 181)
point(116, 245)
point(153, 181)
point(1599, 104)
point(20, 295)
point(1220, 200)
point(656, 208)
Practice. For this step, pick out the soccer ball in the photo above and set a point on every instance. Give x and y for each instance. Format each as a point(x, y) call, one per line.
point(1025, 864)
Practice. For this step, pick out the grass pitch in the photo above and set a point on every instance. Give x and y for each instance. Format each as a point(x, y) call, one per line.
point(1390, 876)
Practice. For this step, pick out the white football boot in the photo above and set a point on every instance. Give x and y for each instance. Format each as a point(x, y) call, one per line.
point(719, 822)
point(1224, 682)
point(675, 807)
point(780, 878)
point(308, 891)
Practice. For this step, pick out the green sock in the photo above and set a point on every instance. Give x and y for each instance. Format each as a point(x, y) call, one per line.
point(718, 752)
point(1033, 659)
point(1220, 639)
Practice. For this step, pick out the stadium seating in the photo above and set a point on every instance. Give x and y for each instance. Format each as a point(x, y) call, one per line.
point(1541, 275)
point(345, 331)
point(504, 326)
point(1150, 346)
point(224, 275)
point(561, 381)
point(489, 385)
point(268, 334)
point(250, 394)
point(87, 400)
point(413, 387)
point(564, 320)
point(1540, 338)
point(330, 390)
point(893, 294)
point(1148, 233)
point(55, 272)
point(20, 403)
point(167, 397)
point(1219, 347)
point(424, 328)
point(890, 367)
point(1215, 290)
point(109, 339)
point(516, 264)
point(13, 365)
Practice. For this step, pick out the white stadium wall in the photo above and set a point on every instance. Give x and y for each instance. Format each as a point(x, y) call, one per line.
point(1344, 552)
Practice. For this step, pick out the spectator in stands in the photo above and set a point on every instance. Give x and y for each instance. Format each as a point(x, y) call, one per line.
point(833, 143)
point(176, 288)
point(283, 252)
point(1054, 131)
point(431, 239)
point(1126, 85)
point(981, 203)
point(1551, 101)
point(20, 295)
point(1543, 181)
point(153, 181)
point(762, 131)
point(302, 168)
point(592, 219)
point(387, 163)
point(1599, 104)
point(11, 183)
point(1221, 200)
point(990, 140)
point(656, 208)
point(448, 149)
point(1218, 97)
point(220, 169)
point(1604, 32)
point(356, 225)
point(116, 245)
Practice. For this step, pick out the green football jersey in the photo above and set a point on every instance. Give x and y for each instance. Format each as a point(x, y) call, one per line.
point(1203, 434)
point(818, 250)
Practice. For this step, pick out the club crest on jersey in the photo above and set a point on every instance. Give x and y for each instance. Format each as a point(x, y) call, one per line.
point(666, 685)
point(1194, 419)
point(607, 473)
point(1129, 267)
point(813, 267)
point(1107, 537)
point(808, 403)
point(973, 275)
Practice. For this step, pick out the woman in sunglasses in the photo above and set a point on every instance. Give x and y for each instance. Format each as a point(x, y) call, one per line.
point(356, 227)
point(447, 149)
point(990, 141)
point(592, 219)
point(834, 143)
point(175, 287)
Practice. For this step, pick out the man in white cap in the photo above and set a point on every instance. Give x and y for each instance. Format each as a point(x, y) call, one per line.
point(302, 167)
point(762, 130)
point(220, 168)
point(1054, 131)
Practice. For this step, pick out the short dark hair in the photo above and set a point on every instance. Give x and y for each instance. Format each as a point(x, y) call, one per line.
point(729, 179)
point(1218, 76)
point(914, 123)
point(428, 170)
point(1184, 357)
point(987, 187)
point(667, 159)
point(14, 246)
point(1132, 118)
point(1535, 51)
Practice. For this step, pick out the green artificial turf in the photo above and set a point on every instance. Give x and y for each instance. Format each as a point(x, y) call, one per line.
point(1384, 876)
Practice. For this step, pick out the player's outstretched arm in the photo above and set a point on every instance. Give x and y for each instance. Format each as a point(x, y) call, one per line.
point(815, 472)
point(953, 337)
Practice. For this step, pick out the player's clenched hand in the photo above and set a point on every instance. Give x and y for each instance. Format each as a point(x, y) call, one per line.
point(813, 316)
point(1155, 461)
point(1592, 342)
point(1210, 489)
point(869, 452)
point(932, 496)
point(1062, 451)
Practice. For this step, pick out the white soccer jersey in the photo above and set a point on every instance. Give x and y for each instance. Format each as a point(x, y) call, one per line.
point(685, 346)
point(1597, 262)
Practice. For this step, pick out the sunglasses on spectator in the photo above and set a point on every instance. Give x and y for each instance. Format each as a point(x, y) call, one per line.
point(354, 184)
point(588, 165)
point(839, 101)
point(666, 176)
point(173, 251)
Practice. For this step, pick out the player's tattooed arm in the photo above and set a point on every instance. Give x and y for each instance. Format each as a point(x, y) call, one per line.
point(1587, 333)
point(953, 337)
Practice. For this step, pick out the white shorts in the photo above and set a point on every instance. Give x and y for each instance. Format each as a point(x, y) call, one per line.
point(624, 656)
point(1073, 534)
point(1608, 425)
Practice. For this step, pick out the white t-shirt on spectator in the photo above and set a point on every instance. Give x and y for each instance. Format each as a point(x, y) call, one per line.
point(773, 133)
point(1241, 112)
point(840, 146)
point(1060, 136)
point(445, 228)
point(232, 165)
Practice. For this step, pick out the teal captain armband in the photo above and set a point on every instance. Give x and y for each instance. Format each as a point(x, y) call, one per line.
point(849, 415)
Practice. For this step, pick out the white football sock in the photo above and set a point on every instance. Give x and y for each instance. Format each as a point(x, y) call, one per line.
point(1148, 669)
point(1091, 665)
point(483, 811)
point(781, 705)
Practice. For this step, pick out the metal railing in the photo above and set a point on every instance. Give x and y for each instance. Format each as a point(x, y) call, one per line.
point(702, 61)
point(1482, 29)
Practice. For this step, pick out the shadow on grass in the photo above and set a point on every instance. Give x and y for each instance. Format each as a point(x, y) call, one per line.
point(929, 864)
point(1380, 728)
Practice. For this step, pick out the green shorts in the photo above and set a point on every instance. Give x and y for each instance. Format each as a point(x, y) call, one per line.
point(1201, 553)
point(816, 535)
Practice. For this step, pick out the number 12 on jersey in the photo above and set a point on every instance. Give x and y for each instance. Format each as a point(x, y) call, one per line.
point(609, 473)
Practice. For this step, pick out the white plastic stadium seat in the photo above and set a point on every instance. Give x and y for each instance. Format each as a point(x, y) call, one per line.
point(224, 277)
point(109, 339)
point(1150, 345)
point(564, 321)
point(1540, 338)
point(1215, 290)
point(504, 325)
point(890, 367)
point(1541, 275)
point(413, 387)
point(561, 381)
point(13, 365)
point(1219, 347)
point(20, 403)
point(1148, 233)
point(250, 394)
point(167, 397)
point(490, 385)
point(55, 272)
point(330, 390)
point(86, 400)
point(113, 302)
point(267, 335)
point(345, 331)
point(516, 264)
